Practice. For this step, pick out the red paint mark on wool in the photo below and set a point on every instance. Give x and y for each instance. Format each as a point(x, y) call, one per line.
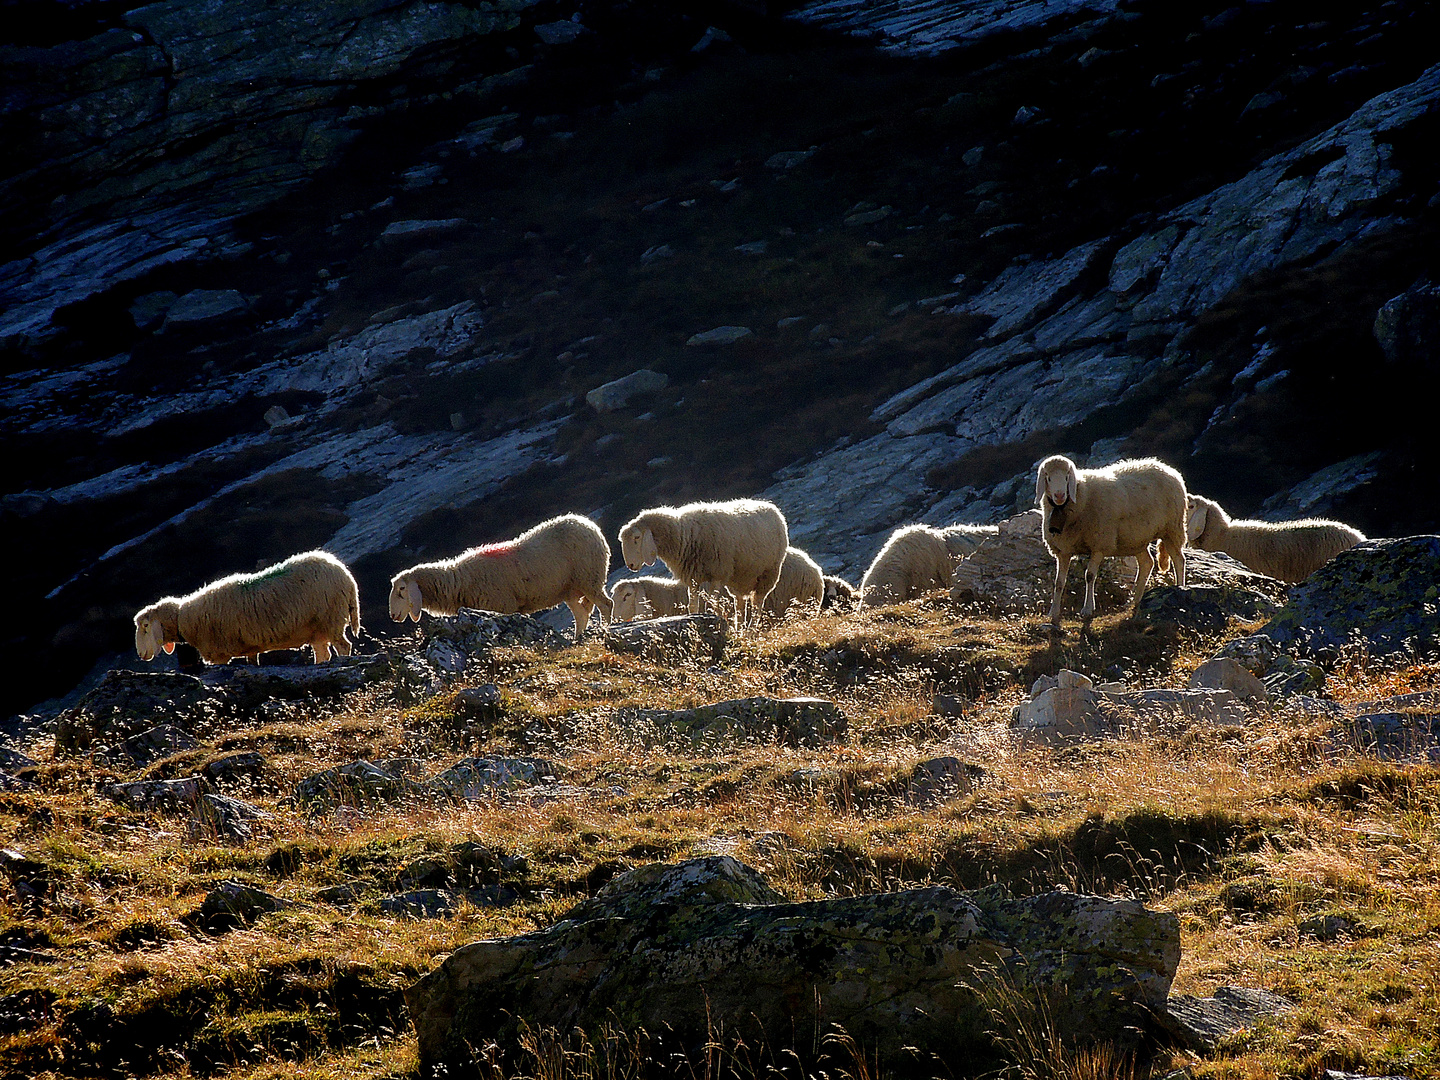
point(495, 549)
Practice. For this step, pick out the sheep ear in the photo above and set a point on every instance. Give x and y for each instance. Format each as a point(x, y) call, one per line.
point(1072, 482)
point(169, 646)
point(1040, 488)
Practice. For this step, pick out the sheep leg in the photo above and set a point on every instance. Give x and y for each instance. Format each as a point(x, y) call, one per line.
point(1092, 571)
point(343, 645)
point(581, 609)
point(1062, 571)
point(1142, 574)
point(322, 650)
point(1177, 557)
point(254, 658)
point(693, 605)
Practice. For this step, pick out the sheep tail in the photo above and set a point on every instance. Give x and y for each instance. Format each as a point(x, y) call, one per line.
point(354, 614)
point(1162, 559)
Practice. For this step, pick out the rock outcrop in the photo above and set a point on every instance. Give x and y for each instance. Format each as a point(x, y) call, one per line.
point(708, 945)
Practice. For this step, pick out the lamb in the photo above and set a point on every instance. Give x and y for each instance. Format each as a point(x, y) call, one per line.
point(738, 545)
point(1289, 550)
point(309, 599)
point(563, 560)
point(648, 597)
point(839, 593)
point(801, 580)
point(916, 559)
point(1117, 510)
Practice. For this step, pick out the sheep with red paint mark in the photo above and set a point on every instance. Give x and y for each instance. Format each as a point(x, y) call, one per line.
point(560, 561)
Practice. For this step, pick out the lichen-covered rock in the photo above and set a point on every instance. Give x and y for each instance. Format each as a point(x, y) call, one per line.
point(474, 631)
point(1208, 608)
point(360, 783)
point(1383, 593)
point(160, 794)
point(705, 944)
point(676, 637)
point(129, 702)
point(226, 817)
point(797, 721)
point(1200, 1023)
point(475, 777)
point(233, 904)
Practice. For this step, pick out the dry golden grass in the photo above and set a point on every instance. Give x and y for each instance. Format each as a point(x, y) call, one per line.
point(1245, 834)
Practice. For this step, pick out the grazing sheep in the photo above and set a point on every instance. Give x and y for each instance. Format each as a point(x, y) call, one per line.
point(738, 545)
point(839, 593)
point(648, 598)
point(1116, 510)
point(563, 560)
point(916, 559)
point(1287, 550)
point(308, 599)
point(801, 580)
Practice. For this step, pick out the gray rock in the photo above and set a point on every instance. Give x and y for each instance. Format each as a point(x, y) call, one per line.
point(1202, 1023)
point(359, 783)
point(1063, 714)
point(786, 160)
point(479, 704)
point(12, 760)
point(232, 768)
point(204, 305)
point(1385, 593)
point(148, 311)
point(226, 817)
point(129, 702)
point(659, 251)
point(1205, 608)
point(1326, 927)
point(1224, 673)
point(790, 721)
point(1316, 494)
point(474, 778)
point(1024, 293)
point(179, 794)
point(939, 780)
point(477, 632)
point(418, 230)
point(1408, 326)
point(675, 637)
point(616, 394)
point(233, 904)
point(721, 335)
point(867, 217)
point(151, 745)
point(685, 949)
point(419, 904)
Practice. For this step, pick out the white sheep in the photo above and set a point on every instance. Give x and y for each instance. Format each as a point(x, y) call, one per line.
point(1117, 510)
point(648, 597)
point(563, 560)
point(308, 599)
point(801, 581)
point(1287, 550)
point(738, 545)
point(916, 559)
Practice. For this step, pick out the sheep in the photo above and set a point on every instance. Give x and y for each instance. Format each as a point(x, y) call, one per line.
point(1117, 510)
point(839, 593)
point(563, 560)
point(308, 599)
point(1289, 550)
point(738, 545)
point(916, 559)
point(648, 597)
point(801, 580)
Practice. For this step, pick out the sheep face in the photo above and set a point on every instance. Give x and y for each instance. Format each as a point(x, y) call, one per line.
point(150, 637)
point(1197, 519)
point(1057, 480)
point(637, 545)
point(405, 600)
point(623, 605)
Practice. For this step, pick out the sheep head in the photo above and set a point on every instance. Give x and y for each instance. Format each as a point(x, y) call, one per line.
point(622, 599)
point(1201, 515)
point(1057, 481)
point(405, 599)
point(637, 545)
point(157, 627)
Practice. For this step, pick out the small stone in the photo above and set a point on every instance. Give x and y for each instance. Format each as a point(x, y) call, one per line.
point(939, 780)
point(233, 904)
point(755, 247)
point(1326, 927)
point(457, 421)
point(419, 904)
point(245, 764)
point(205, 305)
point(674, 637)
point(473, 778)
point(788, 159)
point(868, 217)
point(972, 157)
point(659, 251)
point(560, 33)
point(1024, 114)
point(275, 416)
point(713, 36)
point(616, 394)
point(788, 321)
point(418, 230)
point(721, 335)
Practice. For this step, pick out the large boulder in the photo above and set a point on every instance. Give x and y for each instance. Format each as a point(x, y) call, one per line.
point(1069, 707)
point(707, 944)
point(1384, 593)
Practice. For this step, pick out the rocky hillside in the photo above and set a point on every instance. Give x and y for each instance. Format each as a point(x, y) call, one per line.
point(278, 276)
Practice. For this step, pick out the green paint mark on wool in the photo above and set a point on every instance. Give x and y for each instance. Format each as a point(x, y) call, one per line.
point(280, 570)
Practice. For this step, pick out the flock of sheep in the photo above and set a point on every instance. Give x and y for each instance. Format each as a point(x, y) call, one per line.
point(740, 548)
